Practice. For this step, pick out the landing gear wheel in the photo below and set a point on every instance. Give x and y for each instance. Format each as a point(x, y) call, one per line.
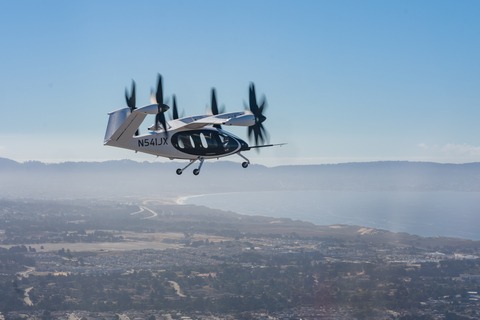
point(179, 171)
point(245, 164)
point(196, 172)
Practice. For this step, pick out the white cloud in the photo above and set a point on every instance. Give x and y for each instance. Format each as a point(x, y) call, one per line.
point(422, 145)
point(462, 149)
point(453, 149)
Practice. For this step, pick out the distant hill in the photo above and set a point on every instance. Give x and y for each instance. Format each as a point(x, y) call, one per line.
point(126, 178)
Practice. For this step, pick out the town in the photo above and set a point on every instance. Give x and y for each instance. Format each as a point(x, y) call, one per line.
point(187, 265)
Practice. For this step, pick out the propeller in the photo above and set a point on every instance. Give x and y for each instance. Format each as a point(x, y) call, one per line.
point(259, 132)
point(157, 99)
point(175, 115)
point(215, 110)
point(131, 102)
point(175, 110)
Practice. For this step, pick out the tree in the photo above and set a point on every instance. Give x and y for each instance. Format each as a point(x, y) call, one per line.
point(46, 315)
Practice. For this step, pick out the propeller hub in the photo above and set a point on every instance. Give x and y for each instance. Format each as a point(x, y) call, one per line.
point(163, 108)
point(260, 118)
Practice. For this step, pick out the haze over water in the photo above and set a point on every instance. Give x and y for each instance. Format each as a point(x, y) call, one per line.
point(428, 214)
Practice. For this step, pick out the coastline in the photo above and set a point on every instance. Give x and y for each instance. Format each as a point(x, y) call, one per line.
point(388, 211)
point(181, 200)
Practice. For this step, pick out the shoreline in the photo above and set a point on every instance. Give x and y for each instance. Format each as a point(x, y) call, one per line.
point(436, 231)
point(181, 200)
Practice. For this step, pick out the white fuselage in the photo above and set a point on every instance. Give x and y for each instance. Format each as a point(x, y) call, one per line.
point(185, 138)
point(157, 143)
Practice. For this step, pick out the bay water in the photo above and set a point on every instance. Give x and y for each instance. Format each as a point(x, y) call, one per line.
point(427, 214)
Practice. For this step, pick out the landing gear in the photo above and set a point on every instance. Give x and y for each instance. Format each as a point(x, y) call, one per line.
point(246, 163)
point(197, 171)
point(179, 171)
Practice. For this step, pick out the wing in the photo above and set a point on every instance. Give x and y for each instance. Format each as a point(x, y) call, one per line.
point(200, 123)
point(242, 118)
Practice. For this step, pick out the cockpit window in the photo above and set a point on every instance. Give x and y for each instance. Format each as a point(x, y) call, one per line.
point(228, 142)
point(205, 142)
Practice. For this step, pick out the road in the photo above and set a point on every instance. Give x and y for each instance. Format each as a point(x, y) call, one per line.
point(141, 210)
point(27, 300)
point(177, 288)
point(154, 213)
point(24, 274)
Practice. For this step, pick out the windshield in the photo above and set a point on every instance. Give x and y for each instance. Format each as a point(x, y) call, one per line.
point(205, 142)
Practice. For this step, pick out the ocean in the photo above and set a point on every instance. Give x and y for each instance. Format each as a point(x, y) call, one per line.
point(427, 214)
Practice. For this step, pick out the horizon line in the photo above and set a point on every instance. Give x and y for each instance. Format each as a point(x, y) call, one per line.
point(345, 161)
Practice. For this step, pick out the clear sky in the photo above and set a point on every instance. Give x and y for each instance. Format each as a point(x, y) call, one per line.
point(345, 80)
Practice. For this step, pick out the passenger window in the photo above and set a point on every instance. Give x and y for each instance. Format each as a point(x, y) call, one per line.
point(191, 142)
point(184, 142)
point(204, 142)
point(211, 141)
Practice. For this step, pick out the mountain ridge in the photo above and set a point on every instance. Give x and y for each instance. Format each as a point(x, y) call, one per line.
point(128, 178)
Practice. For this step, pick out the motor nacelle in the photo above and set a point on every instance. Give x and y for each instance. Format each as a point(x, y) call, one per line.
point(152, 109)
point(245, 121)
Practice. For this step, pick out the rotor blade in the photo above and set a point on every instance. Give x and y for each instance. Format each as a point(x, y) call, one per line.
point(263, 106)
point(250, 130)
point(157, 121)
point(175, 110)
point(214, 102)
point(131, 100)
point(208, 110)
point(222, 109)
point(127, 98)
point(265, 133)
point(253, 99)
point(160, 118)
point(153, 99)
point(260, 132)
point(132, 96)
point(159, 93)
point(163, 122)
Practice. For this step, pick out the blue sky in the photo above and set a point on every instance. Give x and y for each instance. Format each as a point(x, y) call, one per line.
point(345, 80)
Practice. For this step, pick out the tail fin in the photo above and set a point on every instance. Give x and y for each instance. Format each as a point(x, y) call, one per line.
point(122, 125)
point(115, 120)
